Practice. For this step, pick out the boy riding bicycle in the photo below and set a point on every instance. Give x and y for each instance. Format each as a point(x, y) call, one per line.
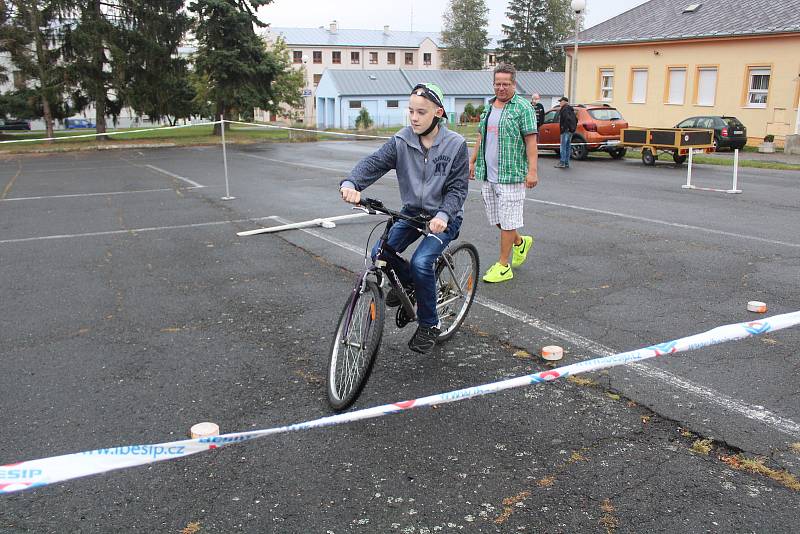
point(432, 165)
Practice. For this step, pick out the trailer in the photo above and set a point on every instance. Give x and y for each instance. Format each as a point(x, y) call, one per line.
point(676, 141)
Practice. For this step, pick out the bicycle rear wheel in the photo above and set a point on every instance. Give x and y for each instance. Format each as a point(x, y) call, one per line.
point(456, 287)
point(355, 346)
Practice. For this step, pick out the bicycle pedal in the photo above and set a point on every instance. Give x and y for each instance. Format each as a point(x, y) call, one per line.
point(401, 318)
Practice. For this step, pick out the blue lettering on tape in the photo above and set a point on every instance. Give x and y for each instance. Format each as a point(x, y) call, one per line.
point(19, 474)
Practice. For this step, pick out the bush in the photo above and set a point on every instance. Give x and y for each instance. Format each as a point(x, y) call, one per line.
point(769, 138)
point(363, 121)
point(469, 112)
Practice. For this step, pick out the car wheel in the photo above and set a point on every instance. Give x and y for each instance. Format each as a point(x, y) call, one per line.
point(579, 149)
point(618, 153)
point(715, 144)
point(647, 157)
point(678, 158)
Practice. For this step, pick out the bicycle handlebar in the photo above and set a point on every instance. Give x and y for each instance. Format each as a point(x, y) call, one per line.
point(373, 206)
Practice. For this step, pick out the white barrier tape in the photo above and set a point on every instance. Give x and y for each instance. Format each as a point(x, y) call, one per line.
point(267, 126)
point(37, 473)
point(68, 137)
point(348, 134)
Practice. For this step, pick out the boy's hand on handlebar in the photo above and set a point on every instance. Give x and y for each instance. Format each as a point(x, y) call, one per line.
point(437, 225)
point(350, 195)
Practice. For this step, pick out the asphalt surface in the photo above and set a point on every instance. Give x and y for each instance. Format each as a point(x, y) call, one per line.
point(131, 311)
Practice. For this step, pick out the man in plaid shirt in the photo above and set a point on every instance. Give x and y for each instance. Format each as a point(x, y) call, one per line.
point(505, 159)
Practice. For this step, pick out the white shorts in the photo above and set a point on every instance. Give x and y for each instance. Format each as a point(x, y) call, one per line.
point(504, 204)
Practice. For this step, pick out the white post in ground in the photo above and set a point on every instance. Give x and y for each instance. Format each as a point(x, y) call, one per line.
point(225, 160)
point(735, 188)
point(689, 173)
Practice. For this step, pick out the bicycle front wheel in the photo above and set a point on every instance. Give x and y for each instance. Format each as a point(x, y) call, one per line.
point(354, 347)
point(456, 282)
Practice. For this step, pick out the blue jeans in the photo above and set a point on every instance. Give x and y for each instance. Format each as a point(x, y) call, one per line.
point(566, 150)
point(419, 272)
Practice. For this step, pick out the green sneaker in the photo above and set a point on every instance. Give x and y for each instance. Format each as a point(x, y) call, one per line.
point(498, 273)
point(520, 252)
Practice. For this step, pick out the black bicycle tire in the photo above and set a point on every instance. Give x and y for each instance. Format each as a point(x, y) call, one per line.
point(473, 251)
point(373, 345)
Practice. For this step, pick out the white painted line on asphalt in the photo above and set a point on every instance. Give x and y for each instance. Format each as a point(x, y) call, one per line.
point(755, 413)
point(296, 164)
point(79, 195)
point(173, 175)
point(666, 223)
point(132, 230)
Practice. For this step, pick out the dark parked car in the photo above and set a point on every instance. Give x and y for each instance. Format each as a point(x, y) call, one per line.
point(729, 132)
point(13, 124)
point(71, 124)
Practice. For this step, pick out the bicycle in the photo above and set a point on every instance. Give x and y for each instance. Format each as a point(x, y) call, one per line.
point(360, 327)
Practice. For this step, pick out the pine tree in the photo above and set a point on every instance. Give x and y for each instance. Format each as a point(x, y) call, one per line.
point(31, 35)
point(157, 79)
point(537, 26)
point(465, 35)
point(234, 60)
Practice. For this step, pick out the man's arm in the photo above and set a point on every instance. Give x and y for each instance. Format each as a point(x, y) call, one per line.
point(532, 151)
point(474, 157)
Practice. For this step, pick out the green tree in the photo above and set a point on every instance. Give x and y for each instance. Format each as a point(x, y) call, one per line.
point(537, 26)
point(31, 35)
point(363, 121)
point(121, 52)
point(239, 68)
point(465, 34)
point(157, 79)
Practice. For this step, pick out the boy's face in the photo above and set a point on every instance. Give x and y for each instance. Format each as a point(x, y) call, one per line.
point(421, 113)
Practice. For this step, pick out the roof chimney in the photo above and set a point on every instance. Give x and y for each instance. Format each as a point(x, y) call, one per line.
point(334, 27)
point(386, 30)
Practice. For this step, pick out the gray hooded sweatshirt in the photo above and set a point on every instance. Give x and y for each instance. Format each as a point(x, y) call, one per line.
point(436, 183)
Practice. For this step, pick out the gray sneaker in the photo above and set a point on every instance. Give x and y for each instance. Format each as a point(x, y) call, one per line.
point(424, 339)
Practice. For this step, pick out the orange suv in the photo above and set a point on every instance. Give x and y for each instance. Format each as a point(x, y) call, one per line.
point(599, 127)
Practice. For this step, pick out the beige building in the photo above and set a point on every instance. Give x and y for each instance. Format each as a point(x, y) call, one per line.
point(331, 47)
point(668, 60)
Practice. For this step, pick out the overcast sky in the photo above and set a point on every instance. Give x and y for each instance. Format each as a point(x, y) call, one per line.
point(427, 14)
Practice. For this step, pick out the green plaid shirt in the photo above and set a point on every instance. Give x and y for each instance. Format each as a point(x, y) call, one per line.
point(517, 120)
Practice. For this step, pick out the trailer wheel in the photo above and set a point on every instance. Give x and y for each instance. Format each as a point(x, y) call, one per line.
point(647, 157)
point(618, 153)
point(678, 158)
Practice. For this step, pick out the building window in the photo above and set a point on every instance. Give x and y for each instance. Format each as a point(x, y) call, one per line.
point(390, 58)
point(409, 58)
point(392, 103)
point(426, 58)
point(639, 86)
point(676, 88)
point(607, 85)
point(317, 56)
point(355, 104)
point(706, 86)
point(336, 57)
point(757, 87)
point(297, 56)
point(317, 78)
point(355, 58)
point(373, 58)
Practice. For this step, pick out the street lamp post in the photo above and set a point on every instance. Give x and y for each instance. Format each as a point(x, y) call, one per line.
point(578, 6)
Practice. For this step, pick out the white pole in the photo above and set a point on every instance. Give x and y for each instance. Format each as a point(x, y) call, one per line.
point(689, 173)
point(225, 160)
point(735, 172)
point(325, 222)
